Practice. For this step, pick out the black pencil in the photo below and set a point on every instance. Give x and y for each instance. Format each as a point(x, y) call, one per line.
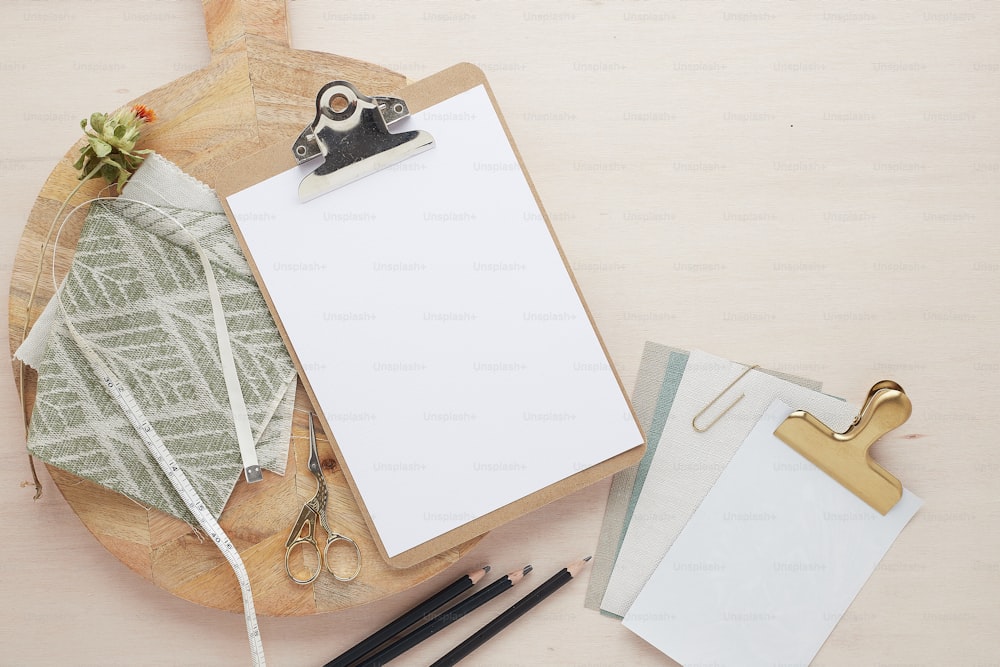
point(446, 618)
point(422, 610)
point(518, 609)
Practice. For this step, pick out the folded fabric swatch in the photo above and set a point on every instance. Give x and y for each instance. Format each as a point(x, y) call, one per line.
point(137, 293)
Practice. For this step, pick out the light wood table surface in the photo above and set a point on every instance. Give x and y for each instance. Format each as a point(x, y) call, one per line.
point(810, 187)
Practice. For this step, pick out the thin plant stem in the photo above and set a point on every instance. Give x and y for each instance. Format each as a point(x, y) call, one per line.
point(27, 316)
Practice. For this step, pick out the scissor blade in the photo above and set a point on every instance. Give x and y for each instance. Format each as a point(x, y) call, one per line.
point(313, 451)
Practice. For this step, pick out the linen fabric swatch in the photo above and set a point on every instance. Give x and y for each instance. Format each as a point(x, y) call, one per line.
point(137, 292)
point(688, 463)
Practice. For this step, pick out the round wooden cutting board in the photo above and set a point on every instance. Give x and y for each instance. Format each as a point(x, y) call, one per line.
point(255, 91)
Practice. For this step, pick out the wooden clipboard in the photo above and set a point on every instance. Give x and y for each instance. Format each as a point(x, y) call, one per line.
point(277, 159)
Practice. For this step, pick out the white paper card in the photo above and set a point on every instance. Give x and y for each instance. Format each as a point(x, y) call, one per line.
point(439, 328)
point(768, 564)
point(688, 463)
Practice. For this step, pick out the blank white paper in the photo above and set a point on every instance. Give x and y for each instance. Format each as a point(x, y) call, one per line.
point(439, 329)
point(768, 564)
point(687, 463)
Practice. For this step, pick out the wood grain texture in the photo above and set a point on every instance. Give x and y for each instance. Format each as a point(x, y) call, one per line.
point(256, 90)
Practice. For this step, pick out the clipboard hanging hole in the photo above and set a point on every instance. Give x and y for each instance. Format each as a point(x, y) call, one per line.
point(398, 108)
point(300, 150)
point(339, 103)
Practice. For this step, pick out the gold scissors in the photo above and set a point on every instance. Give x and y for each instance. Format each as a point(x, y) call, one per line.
point(304, 532)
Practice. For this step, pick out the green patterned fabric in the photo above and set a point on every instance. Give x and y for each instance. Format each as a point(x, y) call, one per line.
point(137, 292)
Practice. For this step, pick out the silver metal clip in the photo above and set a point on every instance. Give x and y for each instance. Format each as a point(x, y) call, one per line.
point(351, 132)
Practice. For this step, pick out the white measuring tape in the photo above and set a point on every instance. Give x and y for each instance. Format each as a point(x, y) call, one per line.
point(126, 400)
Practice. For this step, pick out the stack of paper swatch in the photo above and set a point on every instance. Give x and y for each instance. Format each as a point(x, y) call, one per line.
point(725, 546)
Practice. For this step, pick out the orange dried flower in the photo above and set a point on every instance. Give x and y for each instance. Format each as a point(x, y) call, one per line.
point(144, 112)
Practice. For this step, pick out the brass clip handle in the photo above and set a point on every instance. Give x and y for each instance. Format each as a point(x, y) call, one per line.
point(844, 456)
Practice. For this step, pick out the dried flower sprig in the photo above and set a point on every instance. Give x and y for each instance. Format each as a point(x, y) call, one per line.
point(110, 147)
point(110, 153)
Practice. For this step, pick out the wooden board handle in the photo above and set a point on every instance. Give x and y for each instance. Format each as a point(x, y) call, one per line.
point(230, 22)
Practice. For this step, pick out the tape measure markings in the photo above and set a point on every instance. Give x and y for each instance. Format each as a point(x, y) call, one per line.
point(122, 395)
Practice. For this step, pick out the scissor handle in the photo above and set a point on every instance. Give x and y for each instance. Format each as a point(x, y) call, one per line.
point(307, 539)
point(337, 537)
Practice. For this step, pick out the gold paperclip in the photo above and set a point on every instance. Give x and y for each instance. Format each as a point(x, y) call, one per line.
point(722, 414)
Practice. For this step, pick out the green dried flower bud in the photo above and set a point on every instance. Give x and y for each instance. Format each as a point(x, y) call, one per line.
point(110, 150)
